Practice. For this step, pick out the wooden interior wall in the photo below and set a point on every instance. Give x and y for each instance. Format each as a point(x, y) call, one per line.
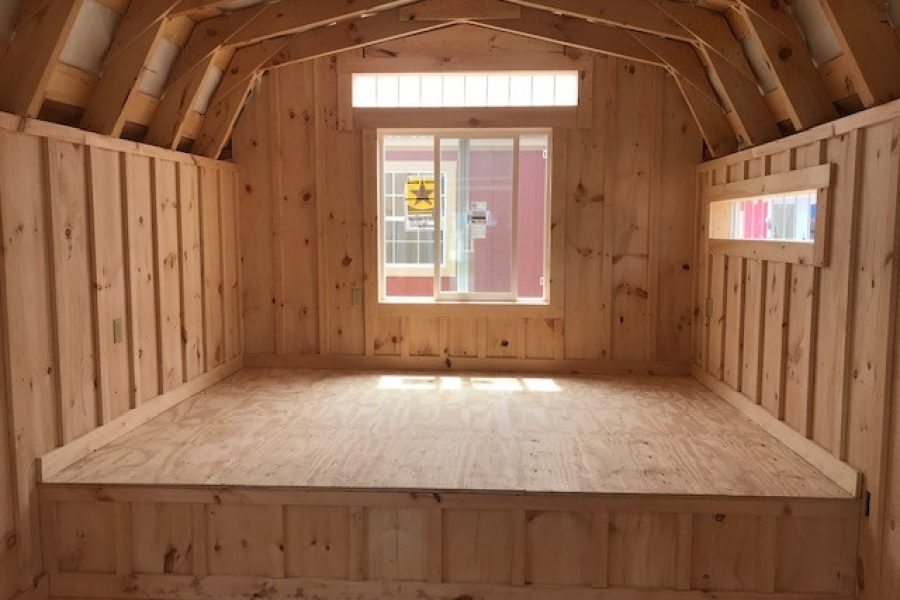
point(816, 347)
point(623, 189)
point(119, 294)
point(195, 543)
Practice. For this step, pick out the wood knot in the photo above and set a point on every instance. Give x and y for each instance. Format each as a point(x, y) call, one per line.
point(346, 261)
point(785, 53)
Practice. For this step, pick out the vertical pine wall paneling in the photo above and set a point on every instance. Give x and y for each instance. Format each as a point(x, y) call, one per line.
point(637, 123)
point(213, 286)
point(71, 249)
point(339, 180)
point(112, 331)
point(673, 251)
point(252, 149)
point(31, 389)
point(820, 343)
point(588, 264)
point(873, 319)
point(168, 273)
point(141, 276)
point(88, 278)
point(191, 271)
point(230, 252)
point(626, 260)
point(298, 204)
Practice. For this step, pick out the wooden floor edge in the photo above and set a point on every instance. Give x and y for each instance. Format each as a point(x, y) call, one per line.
point(188, 587)
point(56, 460)
point(467, 364)
point(842, 474)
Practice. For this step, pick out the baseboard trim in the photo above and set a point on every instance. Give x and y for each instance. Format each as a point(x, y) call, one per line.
point(845, 476)
point(466, 364)
point(56, 460)
point(224, 587)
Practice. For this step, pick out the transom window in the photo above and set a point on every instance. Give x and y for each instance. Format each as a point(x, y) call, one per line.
point(445, 90)
point(479, 231)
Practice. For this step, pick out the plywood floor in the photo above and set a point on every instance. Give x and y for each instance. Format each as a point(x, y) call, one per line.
point(646, 435)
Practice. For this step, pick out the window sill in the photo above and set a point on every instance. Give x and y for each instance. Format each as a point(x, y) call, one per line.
point(456, 308)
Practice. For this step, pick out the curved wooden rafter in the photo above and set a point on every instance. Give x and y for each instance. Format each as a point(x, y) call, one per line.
point(697, 43)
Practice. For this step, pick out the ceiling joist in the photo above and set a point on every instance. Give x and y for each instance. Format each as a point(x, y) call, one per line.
point(33, 52)
point(871, 46)
point(789, 62)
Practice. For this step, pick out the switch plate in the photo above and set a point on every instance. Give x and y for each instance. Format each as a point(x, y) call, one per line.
point(356, 297)
point(118, 331)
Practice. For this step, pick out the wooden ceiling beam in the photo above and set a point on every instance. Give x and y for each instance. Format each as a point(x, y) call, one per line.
point(258, 23)
point(250, 61)
point(871, 47)
point(176, 106)
point(33, 52)
point(140, 17)
point(677, 57)
point(576, 32)
point(706, 29)
point(789, 61)
point(105, 112)
point(636, 15)
point(452, 10)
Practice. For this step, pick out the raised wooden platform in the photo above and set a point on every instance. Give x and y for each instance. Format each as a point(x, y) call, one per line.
point(328, 485)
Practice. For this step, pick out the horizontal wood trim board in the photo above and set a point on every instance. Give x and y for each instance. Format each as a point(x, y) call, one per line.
point(472, 310)
point(456, 364)
point(845, 476)
point(373, 118)
point(56, 460)
point(798, 253)
point(188, 587)
point(453, 499)
point(39, 128)
point(813, 178)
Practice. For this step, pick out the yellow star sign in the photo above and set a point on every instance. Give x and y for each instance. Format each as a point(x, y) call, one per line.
point(420, 195)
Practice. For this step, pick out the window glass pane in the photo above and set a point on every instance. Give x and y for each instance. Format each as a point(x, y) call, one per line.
point(543, 93)
point(520, 90)
point(387, 91)
point(408, 205)
point(409, 91)
point(566, 90)
point(476, 90)
point(498, 90)
point(534, 153)
point(432, 90)
point(785, 217)
point(364, 91)
point(454, 90)
point(526, 88)
point(478, 219)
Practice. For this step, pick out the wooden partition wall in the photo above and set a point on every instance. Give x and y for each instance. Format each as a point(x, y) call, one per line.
point(622, 197)
point(119, 298)
point(810, 352)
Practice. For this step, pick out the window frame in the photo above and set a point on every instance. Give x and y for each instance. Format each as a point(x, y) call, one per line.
point(441, 298)
point(816, 179)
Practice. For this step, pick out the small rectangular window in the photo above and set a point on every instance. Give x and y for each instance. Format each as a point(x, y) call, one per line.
point(478, 90)
point(479, 230)
point(787, 217)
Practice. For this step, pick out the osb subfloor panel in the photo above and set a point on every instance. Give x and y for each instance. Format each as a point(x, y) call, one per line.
point(611, 435)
